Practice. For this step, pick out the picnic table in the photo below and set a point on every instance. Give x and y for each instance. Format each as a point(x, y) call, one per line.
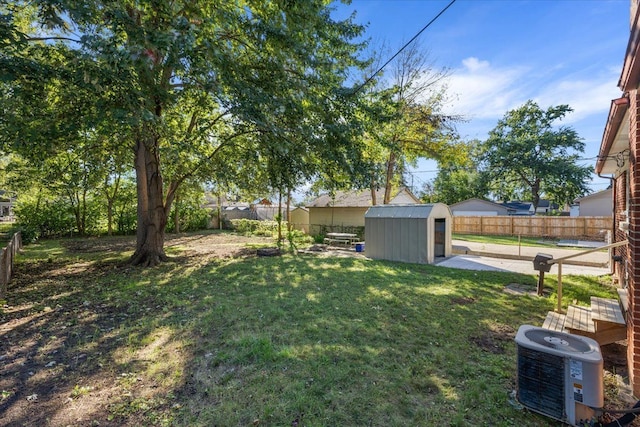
point(342, 238)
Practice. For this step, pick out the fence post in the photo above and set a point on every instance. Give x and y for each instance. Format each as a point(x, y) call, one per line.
point(6, 261)
point(3, 273)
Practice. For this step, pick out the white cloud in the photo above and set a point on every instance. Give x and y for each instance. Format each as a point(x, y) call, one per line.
point(586, 97)
point(474, 64)
point(480, 92)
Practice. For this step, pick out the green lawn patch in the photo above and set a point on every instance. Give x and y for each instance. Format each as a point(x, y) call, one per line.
point(510, 240)
point(274, 341)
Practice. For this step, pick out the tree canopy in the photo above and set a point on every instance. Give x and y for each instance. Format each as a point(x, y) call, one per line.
point(526, 155)
point(407, 123)
point(192, 89)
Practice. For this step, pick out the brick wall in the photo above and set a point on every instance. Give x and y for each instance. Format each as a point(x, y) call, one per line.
point(620, 215)
point(633, 252)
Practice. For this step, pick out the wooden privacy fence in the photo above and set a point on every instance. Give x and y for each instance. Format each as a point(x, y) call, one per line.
point(589, 227)
point(6, 262)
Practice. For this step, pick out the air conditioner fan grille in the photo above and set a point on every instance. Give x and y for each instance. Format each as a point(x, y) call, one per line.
point(541, 382)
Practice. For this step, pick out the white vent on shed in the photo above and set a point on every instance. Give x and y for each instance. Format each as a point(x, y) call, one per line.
point(559, 374)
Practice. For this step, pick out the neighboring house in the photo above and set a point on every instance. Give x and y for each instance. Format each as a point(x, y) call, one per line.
point(619, 158)
point(6, 206)
point(546, 207)
point(347, 208)
point(478, 207)
point(595, 204)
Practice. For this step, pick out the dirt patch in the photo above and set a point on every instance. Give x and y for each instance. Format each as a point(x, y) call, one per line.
point(521, 289)
point(59, 341)
point(495, 339)
point(462, 300)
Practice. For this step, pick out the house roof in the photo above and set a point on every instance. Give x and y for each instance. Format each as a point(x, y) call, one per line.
point(547, 204)
point(475, 199)
point(517, 206)
point(630, 74)
point(615, 139)
point(356, 199)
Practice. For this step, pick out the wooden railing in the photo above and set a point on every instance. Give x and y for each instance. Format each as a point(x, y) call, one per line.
point(6, 262)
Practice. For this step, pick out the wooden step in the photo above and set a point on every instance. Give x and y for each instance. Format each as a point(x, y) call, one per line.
point(604, 321)
point(554, 321)
point(623, 294)
point(579, 320)
point(606, 310)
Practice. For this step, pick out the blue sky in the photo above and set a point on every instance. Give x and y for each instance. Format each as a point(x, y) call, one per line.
point(503, 52)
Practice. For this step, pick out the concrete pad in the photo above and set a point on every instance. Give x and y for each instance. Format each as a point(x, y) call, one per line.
point(482, 263)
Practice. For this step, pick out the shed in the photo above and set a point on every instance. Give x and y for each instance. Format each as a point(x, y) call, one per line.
point(410, 233)
point(299, 219)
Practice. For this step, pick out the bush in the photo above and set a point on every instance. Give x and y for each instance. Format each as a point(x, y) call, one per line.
point(298, 237)
point(192, 217)
point(44, 218)
point(255, 227)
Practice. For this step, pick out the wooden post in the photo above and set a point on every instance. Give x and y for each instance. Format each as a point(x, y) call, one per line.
point(4, 280)
point(540, 282)
point(559, 310)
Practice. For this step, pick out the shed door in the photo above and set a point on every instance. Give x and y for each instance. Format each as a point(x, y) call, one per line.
point(439, 237)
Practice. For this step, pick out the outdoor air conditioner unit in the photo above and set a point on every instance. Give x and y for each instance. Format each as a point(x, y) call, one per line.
point(559, 375)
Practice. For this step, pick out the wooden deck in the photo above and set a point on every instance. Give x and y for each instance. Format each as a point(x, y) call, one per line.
point(623, 294)
point(604, 321)
point(606, 310)
point(579, 319)
point(554, 321)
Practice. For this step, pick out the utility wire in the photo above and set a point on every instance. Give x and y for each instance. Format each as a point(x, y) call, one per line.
point(404, 47)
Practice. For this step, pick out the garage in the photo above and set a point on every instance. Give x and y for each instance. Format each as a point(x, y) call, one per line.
point(411, 233)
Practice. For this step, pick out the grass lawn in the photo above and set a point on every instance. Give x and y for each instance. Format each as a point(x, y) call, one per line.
point(222, 338)
point(509, 240)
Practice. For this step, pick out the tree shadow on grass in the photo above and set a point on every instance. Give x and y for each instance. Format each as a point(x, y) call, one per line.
point(204, 341)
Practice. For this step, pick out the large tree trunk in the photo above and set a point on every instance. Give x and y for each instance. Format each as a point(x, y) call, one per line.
point(535, 195)
point(152, 211)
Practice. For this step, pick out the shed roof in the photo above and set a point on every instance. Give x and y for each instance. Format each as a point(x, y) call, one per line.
point(408, 211)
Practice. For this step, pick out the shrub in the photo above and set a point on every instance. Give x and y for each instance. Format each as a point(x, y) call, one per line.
point(255, 227)
point(192, 217)
point(43, 218)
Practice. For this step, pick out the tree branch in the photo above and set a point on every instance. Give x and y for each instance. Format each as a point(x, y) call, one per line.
point(35, 39)
point(173, 187)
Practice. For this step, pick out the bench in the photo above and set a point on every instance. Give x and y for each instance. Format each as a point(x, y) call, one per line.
point(329, 241)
